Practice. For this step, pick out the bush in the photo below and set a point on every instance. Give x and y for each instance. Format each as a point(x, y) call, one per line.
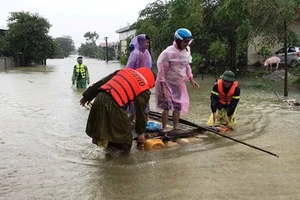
point(123, 60)
point(265, 51)
point(197, 63)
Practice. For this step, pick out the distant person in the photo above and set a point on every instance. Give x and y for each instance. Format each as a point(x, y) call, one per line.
point(225, 96)
point(173, 72)
point(108, 123)
point(80, 77)
point(139, 57)
point(131, 47)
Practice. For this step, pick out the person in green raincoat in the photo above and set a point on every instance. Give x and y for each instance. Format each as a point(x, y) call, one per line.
point(80, 77)
point(108, 123)
point(225, 96)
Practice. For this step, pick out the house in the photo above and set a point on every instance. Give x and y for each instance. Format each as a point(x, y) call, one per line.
point(2, 32)
point(254, 48)
point(124, 33)
point(111, 45)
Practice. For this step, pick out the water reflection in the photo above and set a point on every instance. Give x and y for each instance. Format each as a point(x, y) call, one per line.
point(46, 154)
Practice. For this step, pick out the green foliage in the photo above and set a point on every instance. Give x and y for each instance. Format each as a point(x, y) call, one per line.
point(28, 38)
point(265, 51)
point(197, 63)
point(3, 46)
point(268, 17)
point(123, 59)
point(91, 50)
point(65, 45)
point(293, 39)
point(222, 29)
point(153, 21)
point(91, 37)
point(218, 50)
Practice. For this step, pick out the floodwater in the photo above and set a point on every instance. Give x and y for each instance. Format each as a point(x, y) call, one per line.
point(45, 153)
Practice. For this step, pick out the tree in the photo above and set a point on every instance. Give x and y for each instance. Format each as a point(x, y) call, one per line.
point(231, 21)
point(90, 48)
point(91, 37)
point(3, 46)
point(153, 22)
point(65, 45)
point(28, 37)
point(270, 20)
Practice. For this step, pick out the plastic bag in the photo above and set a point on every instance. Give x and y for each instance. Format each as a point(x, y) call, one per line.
point(153, 127)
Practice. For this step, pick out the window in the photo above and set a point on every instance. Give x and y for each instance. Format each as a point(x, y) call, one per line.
point(291, 49)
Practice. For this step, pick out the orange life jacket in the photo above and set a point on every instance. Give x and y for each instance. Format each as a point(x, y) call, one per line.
point(226, 98)
point(125, 86)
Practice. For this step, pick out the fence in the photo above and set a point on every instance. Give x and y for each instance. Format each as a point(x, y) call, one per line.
point(7, 63)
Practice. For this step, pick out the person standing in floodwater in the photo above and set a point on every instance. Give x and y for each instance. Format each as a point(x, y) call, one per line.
point(108, 123)
point(139, 57)
point(173, 70)
point(80, 75)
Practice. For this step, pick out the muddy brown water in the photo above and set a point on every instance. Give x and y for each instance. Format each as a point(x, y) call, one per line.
point(45, 153)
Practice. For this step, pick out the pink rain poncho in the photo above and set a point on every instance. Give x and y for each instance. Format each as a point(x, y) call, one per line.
point(139, 57)
point(173, 71)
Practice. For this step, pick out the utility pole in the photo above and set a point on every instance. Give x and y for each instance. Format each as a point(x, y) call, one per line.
point(106, 48)
point(285, 61)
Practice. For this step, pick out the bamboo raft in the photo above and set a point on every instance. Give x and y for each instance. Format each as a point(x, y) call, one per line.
point(194, 129)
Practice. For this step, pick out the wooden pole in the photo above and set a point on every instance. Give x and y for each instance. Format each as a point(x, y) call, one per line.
point(217, 133)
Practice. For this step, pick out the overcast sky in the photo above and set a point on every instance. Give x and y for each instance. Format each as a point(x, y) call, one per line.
point(77, 17)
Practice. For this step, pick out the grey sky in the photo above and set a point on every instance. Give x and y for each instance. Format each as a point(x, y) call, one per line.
point(77, 17)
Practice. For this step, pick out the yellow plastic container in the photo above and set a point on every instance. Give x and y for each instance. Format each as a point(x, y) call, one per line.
point(153, 144)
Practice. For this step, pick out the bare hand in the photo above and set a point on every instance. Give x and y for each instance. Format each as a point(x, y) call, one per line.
point(140, 142)
point(141, 139)
point(164, 91)
point(165, 94)
point(226, 120)
point(194, 84)
point(83, 101)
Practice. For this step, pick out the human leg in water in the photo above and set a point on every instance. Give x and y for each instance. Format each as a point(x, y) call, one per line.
point(176, 116)
point(164, 120)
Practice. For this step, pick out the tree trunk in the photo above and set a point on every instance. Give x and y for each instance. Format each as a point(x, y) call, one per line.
point(232, 51)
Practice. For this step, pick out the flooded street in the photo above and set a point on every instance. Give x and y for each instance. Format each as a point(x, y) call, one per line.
point(45, 153)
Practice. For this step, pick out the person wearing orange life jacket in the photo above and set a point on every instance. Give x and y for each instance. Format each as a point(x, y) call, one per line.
point(80, 74)
point(225, 96)
point(108, 123)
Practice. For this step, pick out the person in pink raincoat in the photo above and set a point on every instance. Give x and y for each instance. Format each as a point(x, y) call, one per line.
point(139, 57)
point(173, 71)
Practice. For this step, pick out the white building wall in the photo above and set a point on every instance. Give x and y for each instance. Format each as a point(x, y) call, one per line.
point(125, 35)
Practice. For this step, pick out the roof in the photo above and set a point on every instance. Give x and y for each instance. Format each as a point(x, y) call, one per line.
point(124, 29)
point(103, 44)
point(2, 32)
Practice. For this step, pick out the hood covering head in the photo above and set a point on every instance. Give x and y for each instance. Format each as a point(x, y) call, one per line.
point(139, 42)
